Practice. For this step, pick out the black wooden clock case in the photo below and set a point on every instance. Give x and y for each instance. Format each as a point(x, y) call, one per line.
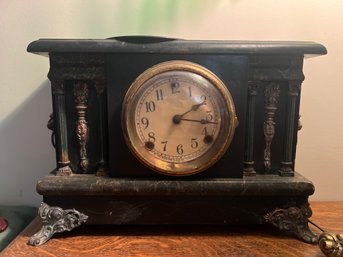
point(96, 174)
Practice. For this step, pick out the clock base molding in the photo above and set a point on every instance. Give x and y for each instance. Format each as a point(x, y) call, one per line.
point(261, 199)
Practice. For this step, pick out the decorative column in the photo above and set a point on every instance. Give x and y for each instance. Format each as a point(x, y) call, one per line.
point(272, 92)
point(102, 168)
point(60, 124)
point(81, 99)
point(248, 169)
point(286, 168)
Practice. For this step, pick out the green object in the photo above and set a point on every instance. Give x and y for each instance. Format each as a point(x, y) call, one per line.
point(18, 218)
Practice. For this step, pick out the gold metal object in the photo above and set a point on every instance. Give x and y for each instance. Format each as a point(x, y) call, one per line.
point(215, 98)
point(81, 98)
point(272, 92)
point(331, 244)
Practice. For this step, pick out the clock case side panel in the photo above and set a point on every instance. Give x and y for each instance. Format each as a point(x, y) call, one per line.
point(282, 71)
point(73, 69)
point(123, 69)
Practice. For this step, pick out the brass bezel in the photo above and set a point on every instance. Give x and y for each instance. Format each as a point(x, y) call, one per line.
point(204, 161)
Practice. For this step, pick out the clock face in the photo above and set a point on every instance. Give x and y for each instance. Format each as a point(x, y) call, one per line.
point(178, 118)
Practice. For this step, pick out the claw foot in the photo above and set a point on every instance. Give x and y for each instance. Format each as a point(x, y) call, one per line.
point(56, 220)
point(293, 220)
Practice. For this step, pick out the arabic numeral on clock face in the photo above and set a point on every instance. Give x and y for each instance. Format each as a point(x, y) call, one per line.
point(194, 143)
point(145, 122)
point(150, 106)
point(150, 143)
point(164, 143)
point(151, 137)
point(175, 86)
point(209, 116)
point(179, 149)
point(204, 131)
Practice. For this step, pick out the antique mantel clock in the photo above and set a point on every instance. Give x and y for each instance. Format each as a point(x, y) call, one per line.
point(163, 131)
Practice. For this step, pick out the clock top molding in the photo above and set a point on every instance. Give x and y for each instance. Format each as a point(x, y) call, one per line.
point(158, 45)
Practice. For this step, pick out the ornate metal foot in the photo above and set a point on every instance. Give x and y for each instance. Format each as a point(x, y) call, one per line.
point(56, 220)
point(293, 220)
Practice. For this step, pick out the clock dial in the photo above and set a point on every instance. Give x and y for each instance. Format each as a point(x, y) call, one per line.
point(178, 118)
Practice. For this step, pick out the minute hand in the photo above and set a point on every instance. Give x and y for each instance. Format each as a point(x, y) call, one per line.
point(202, 121)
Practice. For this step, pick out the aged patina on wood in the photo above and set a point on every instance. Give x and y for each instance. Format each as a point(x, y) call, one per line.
point(254, 182)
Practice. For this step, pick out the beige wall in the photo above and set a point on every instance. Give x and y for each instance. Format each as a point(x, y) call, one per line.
point(25, 151)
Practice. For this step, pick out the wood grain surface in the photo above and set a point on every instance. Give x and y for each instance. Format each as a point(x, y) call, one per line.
point(197, 241)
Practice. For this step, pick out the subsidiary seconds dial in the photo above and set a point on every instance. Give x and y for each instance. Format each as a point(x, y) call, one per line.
point(178, 118)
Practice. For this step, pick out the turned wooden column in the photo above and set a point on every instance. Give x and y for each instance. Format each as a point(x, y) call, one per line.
point(102, 167)
point(248, 169)
point(287, 164)
point(60, 127)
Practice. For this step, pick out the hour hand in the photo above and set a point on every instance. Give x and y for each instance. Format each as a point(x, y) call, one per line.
point(178, 117)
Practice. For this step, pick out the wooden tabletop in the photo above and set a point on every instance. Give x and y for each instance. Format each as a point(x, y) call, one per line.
point(97, 240)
